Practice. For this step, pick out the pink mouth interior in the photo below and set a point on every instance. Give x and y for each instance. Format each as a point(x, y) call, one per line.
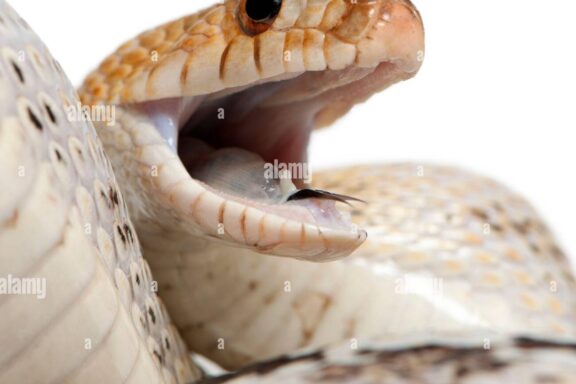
point(225, 141)
point(277, 133)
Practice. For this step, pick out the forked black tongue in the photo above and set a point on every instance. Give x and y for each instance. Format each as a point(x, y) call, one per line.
point(308, 193)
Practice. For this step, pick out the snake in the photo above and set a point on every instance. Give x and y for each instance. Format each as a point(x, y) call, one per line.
point(143, 240)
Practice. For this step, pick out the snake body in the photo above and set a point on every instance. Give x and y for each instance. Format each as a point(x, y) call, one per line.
point(454, 268)
point(64, 220)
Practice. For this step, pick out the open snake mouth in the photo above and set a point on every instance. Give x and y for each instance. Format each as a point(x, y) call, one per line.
point(237, 113)
point(249, 145)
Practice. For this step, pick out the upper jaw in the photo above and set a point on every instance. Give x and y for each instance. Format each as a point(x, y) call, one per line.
point(209, 53)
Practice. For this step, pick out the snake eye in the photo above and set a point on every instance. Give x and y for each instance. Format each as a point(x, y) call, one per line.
point(257, 15)
point(261, 11)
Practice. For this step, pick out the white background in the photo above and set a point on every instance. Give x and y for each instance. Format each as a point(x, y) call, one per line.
point(497, 93)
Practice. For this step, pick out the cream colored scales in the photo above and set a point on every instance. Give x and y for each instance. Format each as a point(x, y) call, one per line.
point(449, 255)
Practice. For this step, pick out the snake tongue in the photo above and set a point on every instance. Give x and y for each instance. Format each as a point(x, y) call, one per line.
point(319, 194)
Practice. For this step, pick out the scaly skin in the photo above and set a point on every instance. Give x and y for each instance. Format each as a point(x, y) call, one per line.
point(461, 361)
point(332, 44)
point(429, 267)
point(340, 53)
point(449, 254)
point(63, 219)
point(493, 261)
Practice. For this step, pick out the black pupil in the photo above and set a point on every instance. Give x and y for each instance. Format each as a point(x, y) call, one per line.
point(262, 10)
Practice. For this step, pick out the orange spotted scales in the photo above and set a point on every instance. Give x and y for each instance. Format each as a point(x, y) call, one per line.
point(434, 279)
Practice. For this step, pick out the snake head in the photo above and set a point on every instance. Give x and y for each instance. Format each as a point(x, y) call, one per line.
point(210, 102)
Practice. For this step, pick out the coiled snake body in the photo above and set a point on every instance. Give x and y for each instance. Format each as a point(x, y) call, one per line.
point(441, 277)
